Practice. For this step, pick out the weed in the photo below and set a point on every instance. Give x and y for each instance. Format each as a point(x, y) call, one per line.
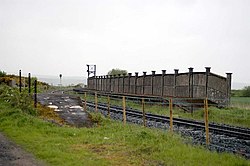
point(111, 143)
point(21, 100)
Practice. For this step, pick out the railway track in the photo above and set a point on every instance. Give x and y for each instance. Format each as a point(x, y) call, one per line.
point(232, 131)
point(223, 138)
point(187, 104)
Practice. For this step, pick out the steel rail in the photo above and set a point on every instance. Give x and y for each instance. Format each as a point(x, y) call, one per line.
point(232, 131)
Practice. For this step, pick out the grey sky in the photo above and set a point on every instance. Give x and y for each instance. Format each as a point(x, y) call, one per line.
point(48, 37)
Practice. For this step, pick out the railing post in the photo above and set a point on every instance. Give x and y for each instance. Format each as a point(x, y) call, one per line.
point(124, 109)
point(171, 114)
point(96, 102)
point(143, 113)
point(108, 106)
point(206, 120)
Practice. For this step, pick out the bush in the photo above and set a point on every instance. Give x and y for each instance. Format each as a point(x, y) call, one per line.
point(246, 91)
point(19, 100)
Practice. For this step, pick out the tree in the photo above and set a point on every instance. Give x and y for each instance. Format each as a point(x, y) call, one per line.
point(246, 91)
point(117, 71)
point(2, 73)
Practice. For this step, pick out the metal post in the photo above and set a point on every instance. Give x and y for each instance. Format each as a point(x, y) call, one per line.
point(88, 70)
point(35, 94)
point(60, 75)
point(206, 120)
point(171, 113)
point(143, 112)
point(124, 109)
point(20, 81)
point(29, 82)
point(96, 102)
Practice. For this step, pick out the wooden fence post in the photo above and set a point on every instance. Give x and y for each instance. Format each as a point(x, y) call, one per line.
point(108, 106)
point(143, 113)
point(96, 102)
point(124, 109)
point(171, 114)
point(206, 120)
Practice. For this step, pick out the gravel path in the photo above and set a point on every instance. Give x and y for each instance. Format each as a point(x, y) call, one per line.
point(13, 155)
point(68, 107)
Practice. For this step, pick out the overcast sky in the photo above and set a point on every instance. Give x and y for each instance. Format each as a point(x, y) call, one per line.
point(49, 37)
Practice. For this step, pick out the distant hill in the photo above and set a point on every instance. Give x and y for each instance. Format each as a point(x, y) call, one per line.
point(66, 80)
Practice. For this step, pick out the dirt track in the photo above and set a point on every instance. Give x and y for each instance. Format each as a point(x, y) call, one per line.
point(13, 155)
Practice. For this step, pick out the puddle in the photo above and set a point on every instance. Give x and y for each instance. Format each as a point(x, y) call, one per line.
point(75, 107)
point(53, 106)
point(67, 107)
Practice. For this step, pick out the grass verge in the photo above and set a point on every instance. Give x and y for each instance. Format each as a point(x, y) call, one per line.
point(109, 143)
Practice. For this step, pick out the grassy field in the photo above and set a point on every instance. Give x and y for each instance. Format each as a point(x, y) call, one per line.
point(240, 102)
point(108, 143)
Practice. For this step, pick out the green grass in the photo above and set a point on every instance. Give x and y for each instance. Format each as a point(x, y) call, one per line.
point(109, 143)
point(240, 102)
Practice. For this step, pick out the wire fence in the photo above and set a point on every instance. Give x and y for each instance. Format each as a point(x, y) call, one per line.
point(181, 108)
